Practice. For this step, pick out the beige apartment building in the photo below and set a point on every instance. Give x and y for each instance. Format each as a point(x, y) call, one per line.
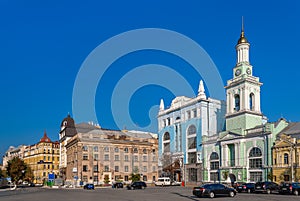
point(96, 155)
point(13, 152)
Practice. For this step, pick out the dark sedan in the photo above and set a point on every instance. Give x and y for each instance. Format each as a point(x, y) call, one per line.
point(117, 185)
point(246, 187)
point(89, 186)
point(290, 188)
point(266, 187)
point(137, 185)
point(212, 190)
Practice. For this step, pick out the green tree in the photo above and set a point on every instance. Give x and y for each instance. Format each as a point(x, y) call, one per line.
point(106, 179)
point(18, 170)
point(225, 174)
point(135, 175)
point(28, 174)
point(2, 173)
point(270, 176)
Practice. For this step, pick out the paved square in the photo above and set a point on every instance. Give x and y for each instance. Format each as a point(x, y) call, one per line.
point(109, 194)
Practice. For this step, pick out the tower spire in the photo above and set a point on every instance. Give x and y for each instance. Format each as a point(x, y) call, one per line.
point(201, 90)
point(161, 105)
point(242, 23)
point(242, 39)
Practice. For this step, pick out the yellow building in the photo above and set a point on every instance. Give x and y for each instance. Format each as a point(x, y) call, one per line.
point(286, 155)
point(43, 158)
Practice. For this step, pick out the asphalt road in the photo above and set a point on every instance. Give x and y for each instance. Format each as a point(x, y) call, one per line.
point(109, 194)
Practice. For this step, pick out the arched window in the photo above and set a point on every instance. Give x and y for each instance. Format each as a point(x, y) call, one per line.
point(166, 142)
point(214, 156)
point(237, 102)
point(251, 101)
point(126, 150)
point(255, 163)
point(167, 136)
point(85, 148)
point(255, 158)
point(192, 130)
point(286, 159)
point(214, 161)
point(106, 149)
point(255, 152)
point(214, 166)
point(135, 150)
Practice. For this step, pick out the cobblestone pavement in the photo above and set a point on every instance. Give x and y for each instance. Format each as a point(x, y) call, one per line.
point(109, 194)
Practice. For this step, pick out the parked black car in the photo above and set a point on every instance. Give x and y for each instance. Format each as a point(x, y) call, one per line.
point(137, 185)
point(89, 186)
point(266, 187)
point(290, 188)
point(246, 187)
point(117, 185)
point(212, 190)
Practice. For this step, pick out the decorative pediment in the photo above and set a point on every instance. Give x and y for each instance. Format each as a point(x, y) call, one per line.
point(228, 136)
point(282, 144)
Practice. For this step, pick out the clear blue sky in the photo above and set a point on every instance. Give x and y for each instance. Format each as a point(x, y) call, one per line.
point(44, 43)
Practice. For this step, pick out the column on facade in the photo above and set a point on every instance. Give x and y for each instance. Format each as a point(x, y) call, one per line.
point(257, 101)
point(247, 99)
point(243, 99)
point(224, 156)
point(238, 154)
point(228, 102)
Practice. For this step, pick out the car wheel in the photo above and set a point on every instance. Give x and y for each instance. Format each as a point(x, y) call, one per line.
point(249, 190)
point(231, 194)
point(268, 191)
point(296, 193)
point(211, 194)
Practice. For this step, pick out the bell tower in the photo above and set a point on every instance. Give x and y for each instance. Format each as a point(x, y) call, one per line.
point(243, 92)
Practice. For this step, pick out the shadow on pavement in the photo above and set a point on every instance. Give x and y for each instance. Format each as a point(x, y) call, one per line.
point(185, 196)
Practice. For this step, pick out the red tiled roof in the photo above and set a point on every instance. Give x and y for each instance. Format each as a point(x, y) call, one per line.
point(45, 138)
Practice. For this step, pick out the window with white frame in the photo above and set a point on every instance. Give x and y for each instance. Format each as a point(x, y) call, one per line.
point(144, 158)
point(95, 148)
point(192, 137)
point(126, 158)
point(106, 149)
point(255, 158)
point(214, 161)
point(85, 148)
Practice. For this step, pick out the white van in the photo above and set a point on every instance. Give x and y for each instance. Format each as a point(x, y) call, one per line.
point(163, 181)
